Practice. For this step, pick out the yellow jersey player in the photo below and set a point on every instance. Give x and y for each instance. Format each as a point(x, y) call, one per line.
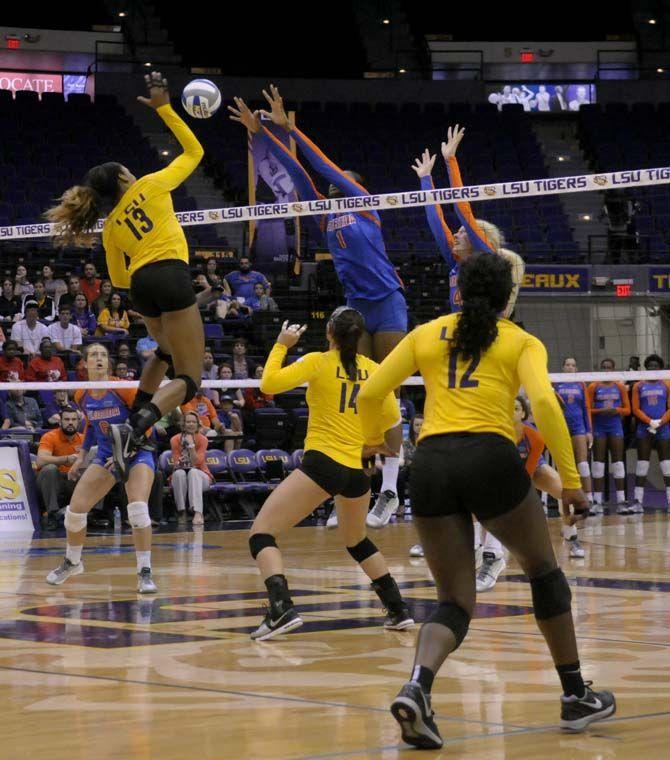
point(331, 466)
point(147, 252)
point(466, 463)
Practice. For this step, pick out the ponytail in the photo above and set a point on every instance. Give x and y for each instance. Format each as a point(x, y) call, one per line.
point(347, 326)
point(485, 283)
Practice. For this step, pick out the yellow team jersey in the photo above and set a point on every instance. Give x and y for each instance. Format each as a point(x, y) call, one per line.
point(334, 427)
point(473, 395)
point(142, 228)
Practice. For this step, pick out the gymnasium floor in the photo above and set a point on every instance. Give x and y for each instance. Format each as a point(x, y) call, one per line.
point(89, 670)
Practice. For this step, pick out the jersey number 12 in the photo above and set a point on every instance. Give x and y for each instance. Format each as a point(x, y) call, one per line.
point(466, 379)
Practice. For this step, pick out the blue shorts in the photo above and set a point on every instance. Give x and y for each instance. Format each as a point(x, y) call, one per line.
point(606, 426)
point(662, 434)
point(142, 457)
point(576, 427)
point(387, 315)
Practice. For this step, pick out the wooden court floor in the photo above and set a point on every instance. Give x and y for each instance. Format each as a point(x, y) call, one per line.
point(89, 670)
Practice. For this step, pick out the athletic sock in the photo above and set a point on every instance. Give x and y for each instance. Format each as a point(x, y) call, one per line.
point(639, 494)
point(143, 560)
point(390, 474)
point(597, 497)
point(569, 532)
point(73, 553)
point(424, 677)
point(620, 497)
point(571, 680)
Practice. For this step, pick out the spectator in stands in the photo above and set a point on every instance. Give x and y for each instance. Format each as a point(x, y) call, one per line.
point(55, 288)
point(56, 453)
point(55, 404)
point(90, 284)
point(123, 355)
point(83, 317)
point(226, 373)
point(73, 287)
point(113, 321)
point(11, 366)
point(407, 410)
point(241, 282)
point(104, 296)
point(28, 332)
point(210, 372)
point(46, 309)
point(121, 371)
point(232, 423)
point(65, 335)
point(259, 301)
point(22, 412)
point(229, 308)
point(243, 368)
point(634, 364)
point(191, 475)
point(10, 305)
point(254, 398)
point(46, 368)
point(202, 406)
point(146, 348)
point(81, 370)
point(408, 451)
point(22, 287)
point(212, 272)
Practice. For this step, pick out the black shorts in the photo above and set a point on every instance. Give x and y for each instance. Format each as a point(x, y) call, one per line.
point(335, 478)
point(478, 473)
point(162, 286)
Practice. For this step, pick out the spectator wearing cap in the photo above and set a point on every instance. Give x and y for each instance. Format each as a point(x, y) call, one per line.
point(56, 452)
point(65, 335)
point(90, 282)
point(28, 332)
point(11, 366)
point(243, 368)
point(232, 424)
point(22, 412)
point(46, 368)
point(83, 317)
point(202, 406)
point(10, 305)
point(46, 310)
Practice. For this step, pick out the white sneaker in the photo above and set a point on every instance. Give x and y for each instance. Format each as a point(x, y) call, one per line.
point(596, 509)
point(576, 549)
point(416, 551)
point(624, 509)
point(64, 571)
point(145, 582)
point(331, 522)
point(479, 556)
point(488, 574)
point(384, 507)
point(636, 508)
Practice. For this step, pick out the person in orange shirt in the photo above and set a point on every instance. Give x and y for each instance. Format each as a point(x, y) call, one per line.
point(56, 453)
point(205, 410)
point(90, 283)
point(609, 403)
point(46, 367)
point(190, 475)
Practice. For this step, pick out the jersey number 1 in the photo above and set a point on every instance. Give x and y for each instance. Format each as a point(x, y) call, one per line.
point(466, 379)
point(352, 399)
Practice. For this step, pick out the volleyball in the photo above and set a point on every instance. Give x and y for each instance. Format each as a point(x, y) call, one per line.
point(201, 98)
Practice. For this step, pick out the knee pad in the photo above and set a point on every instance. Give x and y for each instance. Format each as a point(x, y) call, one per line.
point(618, 470)
point(191, 387)
point(260, 541)
point(453, 617)
point(551, 594)
point(598, 469)
point(138, 514)
point(167, 358)
point(75, 522)
point(362, 550)
point(642, 468)
point(665, 467)
point(583, 469)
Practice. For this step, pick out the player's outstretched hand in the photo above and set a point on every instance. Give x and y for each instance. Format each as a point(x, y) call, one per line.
point(157, 85)
point(576, 498)
point(454, 137)
point(242, 114)
point(424, 166)
point(277, 114)
point(290, 334)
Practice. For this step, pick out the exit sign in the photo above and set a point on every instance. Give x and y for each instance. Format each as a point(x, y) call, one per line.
point(623, 291)
point(13, 43)
point(527, 56)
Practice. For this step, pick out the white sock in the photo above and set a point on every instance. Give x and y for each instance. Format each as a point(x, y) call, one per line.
point(494, 546)
point(73, 553)
point(667, 495)
point(390, 474)
point(569, 532)
point(620, 497)
point(639, 493)
point(478, 535)
point(143, 560)
point(597, 497)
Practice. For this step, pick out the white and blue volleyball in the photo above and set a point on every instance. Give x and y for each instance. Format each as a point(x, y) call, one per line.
point(201, 98)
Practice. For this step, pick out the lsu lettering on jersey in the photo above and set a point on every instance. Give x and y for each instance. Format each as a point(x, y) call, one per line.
point(334, 426)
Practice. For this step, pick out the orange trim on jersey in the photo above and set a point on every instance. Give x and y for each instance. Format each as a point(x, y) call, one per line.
point(456, 180)
point(326, 160)
point(369, 215)
point(537, 446)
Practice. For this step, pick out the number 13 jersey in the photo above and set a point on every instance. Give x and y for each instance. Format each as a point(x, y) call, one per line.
point(334, 428)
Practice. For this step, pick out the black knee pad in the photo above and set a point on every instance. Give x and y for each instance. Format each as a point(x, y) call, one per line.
point(362, 550)
point(453, 617)
point(260, 541)
point(167, 358)
point(191, 387)
point(551, 594)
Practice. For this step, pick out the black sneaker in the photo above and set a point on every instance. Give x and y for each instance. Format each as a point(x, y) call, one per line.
point(124, 448)
point(399, 619)
point(411, 708)
point(269, 628)
point(576, 713)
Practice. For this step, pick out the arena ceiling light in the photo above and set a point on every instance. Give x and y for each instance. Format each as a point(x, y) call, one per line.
point(386, 21)
point(651, 21)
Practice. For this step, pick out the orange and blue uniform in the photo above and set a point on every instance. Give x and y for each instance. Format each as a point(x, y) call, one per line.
point(650, 402)
point(605, 396)
point(353, 236)
point(575, 407)
point(531, 448)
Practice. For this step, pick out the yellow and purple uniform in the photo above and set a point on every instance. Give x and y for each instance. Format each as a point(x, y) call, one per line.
point(353, 236)
point(650, 402)
point(334, 426)
point(475, 395)
point(604, 397)
point(142, 228)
